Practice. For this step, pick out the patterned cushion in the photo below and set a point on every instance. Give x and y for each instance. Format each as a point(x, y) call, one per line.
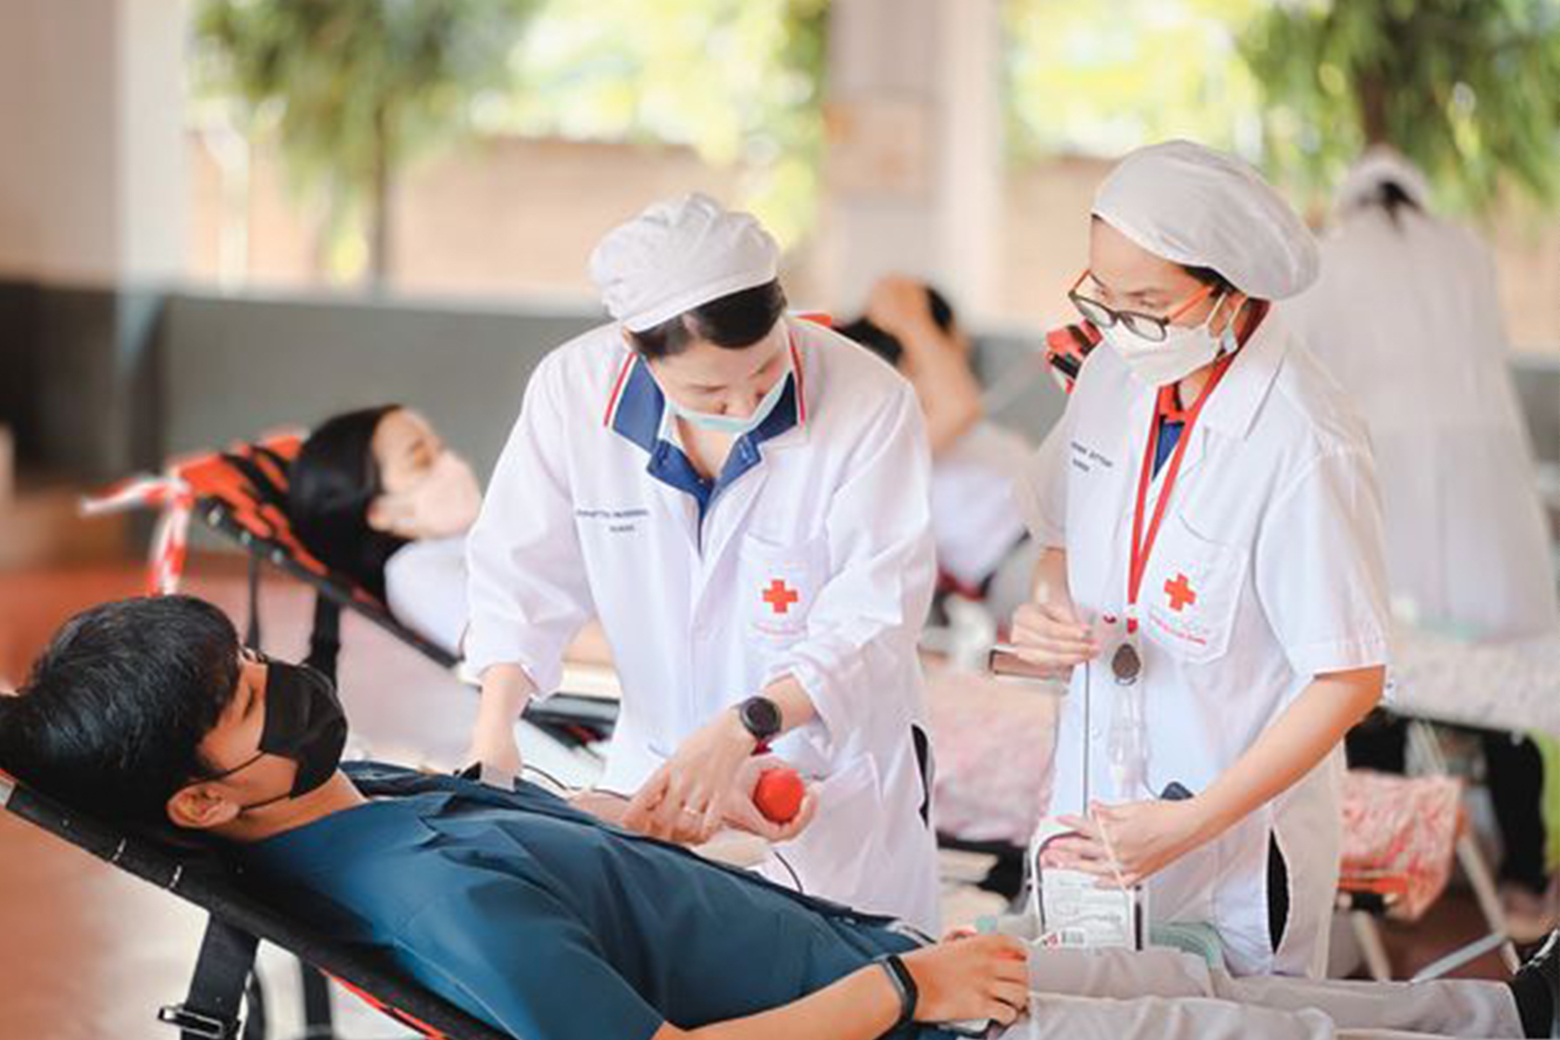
point(993, 742)
point(1399, 837)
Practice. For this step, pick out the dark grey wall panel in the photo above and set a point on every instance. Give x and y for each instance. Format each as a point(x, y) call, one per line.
point(78, 376)
point(1538, 388)
point(19, 366)
point(235, 367)
point(1013, 362)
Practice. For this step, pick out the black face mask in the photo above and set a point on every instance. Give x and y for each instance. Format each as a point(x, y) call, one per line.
point(304, 722)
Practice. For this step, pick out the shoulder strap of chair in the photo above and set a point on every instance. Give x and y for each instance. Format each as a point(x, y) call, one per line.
point(325, 639)
point(212, 1010)
point(267, 489)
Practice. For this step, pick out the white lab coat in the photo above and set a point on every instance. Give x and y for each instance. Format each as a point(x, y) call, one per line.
point(816, 562)
point(1275, 528)
point(1406, 317)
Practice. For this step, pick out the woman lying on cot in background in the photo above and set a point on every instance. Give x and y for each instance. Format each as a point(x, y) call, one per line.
point(377, 496)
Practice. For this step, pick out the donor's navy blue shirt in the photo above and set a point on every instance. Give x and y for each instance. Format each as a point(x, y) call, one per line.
point(550, 924)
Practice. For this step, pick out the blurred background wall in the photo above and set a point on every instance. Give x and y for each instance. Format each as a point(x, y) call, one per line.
point(221, 215)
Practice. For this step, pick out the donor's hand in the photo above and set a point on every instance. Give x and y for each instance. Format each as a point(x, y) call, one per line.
point(986, 976)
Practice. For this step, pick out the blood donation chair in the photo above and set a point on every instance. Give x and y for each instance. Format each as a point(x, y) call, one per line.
point(1402, 838)
point(241, 494)
point(225, 1000)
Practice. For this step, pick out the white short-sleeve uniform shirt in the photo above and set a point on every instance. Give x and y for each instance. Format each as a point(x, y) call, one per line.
point(1267, 571)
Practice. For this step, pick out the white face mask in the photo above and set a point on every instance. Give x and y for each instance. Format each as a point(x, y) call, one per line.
point(443, 504)
point(735, 426)
point(1170, 360)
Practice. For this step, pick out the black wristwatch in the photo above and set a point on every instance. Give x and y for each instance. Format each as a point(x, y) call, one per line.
point(904, 985)
point(760, 716)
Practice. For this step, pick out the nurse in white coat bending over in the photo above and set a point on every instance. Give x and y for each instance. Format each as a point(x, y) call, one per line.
point(741, 499)
point(1214, 575)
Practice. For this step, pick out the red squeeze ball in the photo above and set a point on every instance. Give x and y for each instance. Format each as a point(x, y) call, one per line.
point(779, 794)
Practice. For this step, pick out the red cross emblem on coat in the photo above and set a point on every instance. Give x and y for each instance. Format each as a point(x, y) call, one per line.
point(1180, 593)
point(780, 596)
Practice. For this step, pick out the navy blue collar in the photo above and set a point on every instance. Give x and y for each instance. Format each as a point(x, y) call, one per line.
point(637, 412)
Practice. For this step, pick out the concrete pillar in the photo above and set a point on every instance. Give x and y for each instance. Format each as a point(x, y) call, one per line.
point(93, 200)
point(93, 189)
point(914, 172)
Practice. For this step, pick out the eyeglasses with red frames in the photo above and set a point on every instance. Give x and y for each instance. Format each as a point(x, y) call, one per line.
point(1145, 326)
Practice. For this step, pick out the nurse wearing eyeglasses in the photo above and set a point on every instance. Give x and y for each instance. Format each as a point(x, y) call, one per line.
point(1213, 577)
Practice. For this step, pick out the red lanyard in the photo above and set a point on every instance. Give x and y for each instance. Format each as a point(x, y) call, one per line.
point(1143, 544)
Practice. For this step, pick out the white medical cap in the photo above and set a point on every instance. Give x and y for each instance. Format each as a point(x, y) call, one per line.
point(676, 255)
point(1202, 208)
point(1379, 166)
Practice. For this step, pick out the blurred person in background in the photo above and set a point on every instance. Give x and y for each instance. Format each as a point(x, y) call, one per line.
point(983, 548)
point(1406, 316)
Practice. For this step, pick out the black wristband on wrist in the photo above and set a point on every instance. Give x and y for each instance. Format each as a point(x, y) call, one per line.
point(904, 985)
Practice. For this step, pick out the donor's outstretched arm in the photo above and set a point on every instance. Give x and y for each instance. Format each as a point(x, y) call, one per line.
point(977, 978)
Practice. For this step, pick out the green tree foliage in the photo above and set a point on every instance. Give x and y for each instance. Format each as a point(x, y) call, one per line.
point(1102, 78)
point(1467, 89)
point(739, 81)
point(352, 89)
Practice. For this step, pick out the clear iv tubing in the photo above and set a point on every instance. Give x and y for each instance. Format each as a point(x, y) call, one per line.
point(1126, 746)
point(1088, 725)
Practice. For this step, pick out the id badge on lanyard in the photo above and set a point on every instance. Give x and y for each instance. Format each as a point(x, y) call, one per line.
point(1127, 744)
point(1127, 662)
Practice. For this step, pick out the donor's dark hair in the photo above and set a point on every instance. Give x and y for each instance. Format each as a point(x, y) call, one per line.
point(734, 322)
point(332, 483)
point(111, 718)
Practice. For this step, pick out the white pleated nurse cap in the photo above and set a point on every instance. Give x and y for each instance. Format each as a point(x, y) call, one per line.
point(1203, 208)
point(676, 255)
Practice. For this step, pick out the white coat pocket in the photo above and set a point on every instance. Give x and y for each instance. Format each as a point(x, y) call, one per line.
point(1190, 593)
point(778, 583)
